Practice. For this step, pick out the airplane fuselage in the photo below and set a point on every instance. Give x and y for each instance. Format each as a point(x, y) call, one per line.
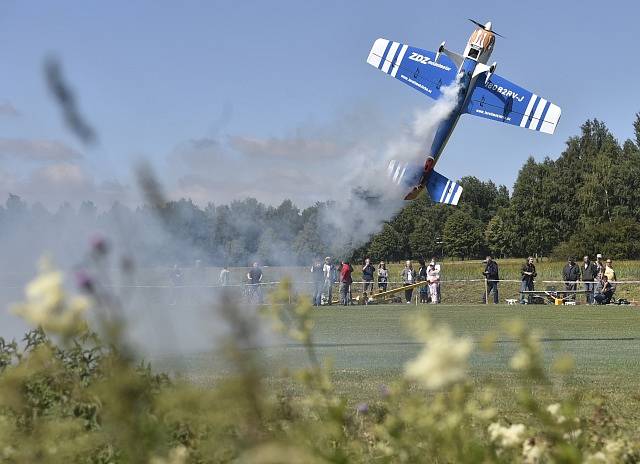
point(478, 50)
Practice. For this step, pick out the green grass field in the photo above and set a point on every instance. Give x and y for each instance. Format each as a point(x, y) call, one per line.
point(369, 346)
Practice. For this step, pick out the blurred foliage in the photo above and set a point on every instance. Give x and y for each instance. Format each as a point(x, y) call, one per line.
point(70, 395)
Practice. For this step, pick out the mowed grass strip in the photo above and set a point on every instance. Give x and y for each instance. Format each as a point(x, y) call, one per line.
point(368, 347)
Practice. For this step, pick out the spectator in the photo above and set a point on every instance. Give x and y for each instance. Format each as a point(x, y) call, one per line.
point(422, 277)
point(345, 283)
point(317, 277)
point(599, 263)
point(570, 275)
point(528, 273)
point(329, 272)
point(177, 280)
point(383, 277)
point(408, 278)
point(491, 278)
point(589, 273)
point(433, 276)
point(254, 276)
point(437, 266)
point(610, 273)
point(367, 276)
point(605, 293)
point(223, 279)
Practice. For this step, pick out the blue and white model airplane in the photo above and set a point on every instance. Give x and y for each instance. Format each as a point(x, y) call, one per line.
point(481, 92)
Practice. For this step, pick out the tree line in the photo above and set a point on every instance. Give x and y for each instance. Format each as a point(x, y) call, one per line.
point(586, 200)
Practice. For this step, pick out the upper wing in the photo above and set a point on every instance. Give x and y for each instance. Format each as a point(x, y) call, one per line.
point(503, 101)
point(413, 66)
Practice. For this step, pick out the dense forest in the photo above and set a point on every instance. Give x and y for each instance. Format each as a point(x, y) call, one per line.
point(588, 199)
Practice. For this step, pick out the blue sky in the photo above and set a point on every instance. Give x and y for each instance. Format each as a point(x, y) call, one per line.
point(272, 92)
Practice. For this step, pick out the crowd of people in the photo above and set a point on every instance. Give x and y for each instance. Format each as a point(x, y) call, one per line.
point(324, 276)
point(598, 279)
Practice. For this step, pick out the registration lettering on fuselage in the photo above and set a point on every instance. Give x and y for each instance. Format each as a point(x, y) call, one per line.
point(504, 91)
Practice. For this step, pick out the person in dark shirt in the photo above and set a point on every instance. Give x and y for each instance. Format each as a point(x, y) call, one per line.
point(491, 275)
point(254, 276)
point(589, 273)
point(570, 275)
point(606, 291)
point(422, 277)
point(528, 273)
point(368, 270)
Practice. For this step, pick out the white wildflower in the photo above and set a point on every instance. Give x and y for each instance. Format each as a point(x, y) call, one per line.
point(554, 410)
point(521, 361)
point(507, 437)
point(532, 451)
point(614, 448)
point(596, 458)
point(46, 304)
point(177, 455)
point(442, 361)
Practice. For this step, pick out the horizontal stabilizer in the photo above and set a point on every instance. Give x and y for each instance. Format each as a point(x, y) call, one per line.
point(408, 175)
point(443, 190)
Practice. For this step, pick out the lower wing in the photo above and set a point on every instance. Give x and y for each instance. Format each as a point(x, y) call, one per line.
point(503, 101)
point(415, 67)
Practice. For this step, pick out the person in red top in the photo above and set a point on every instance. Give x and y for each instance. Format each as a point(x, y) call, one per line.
point(345, 283)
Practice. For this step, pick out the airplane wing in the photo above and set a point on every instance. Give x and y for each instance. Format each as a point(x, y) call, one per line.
point(413, 66)
point(503, 101)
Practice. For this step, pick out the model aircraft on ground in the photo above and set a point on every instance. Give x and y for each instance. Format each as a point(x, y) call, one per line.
point(480, 91)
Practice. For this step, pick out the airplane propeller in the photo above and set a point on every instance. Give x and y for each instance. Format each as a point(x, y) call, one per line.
point(485, 27)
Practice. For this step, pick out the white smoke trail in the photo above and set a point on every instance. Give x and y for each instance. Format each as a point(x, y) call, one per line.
point(371, 198)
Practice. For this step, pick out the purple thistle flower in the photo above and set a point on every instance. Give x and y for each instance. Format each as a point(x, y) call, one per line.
point(362, 408)
point(99, 245)
point(84, 281)
point(384, 391)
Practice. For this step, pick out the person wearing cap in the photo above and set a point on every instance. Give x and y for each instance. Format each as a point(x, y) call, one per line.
point(589, 273)
point(600, 264)
point(328, 271)
point(491, 275)
point(570, 275)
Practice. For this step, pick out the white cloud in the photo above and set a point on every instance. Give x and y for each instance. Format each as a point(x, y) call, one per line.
point(7, 109)
point(37, 150)
point(57, 183)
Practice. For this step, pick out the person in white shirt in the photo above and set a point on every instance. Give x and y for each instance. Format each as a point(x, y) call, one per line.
point(224, 276)
point(329, 277)
point(408, 278)
point(433, 277)
point(383, 277)
point(437, 267)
